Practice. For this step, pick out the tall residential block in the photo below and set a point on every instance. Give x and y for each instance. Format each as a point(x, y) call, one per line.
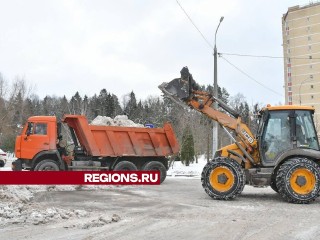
point(301, 48)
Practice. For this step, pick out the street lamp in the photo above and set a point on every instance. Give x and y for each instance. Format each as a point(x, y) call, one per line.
point(304, 81)
point(215, 92)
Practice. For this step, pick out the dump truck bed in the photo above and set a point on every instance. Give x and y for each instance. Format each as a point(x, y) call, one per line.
point(116, 141)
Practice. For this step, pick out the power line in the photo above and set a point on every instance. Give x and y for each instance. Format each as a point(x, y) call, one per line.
point(263, 56)
point(248, 76)
point(204, 38)
point(209, 44)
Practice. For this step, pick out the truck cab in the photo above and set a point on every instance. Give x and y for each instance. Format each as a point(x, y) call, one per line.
point(37, 141)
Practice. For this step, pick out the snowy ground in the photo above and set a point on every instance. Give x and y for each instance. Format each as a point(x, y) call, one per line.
point(16, 206)
point(177, 209)
point(177, 169)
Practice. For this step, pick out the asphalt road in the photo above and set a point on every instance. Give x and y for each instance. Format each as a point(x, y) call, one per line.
point(177, 209)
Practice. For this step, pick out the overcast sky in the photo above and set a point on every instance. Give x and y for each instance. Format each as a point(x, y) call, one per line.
point(62, 46)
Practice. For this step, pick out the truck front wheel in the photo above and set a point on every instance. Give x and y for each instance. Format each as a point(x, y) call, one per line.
point(47, 165)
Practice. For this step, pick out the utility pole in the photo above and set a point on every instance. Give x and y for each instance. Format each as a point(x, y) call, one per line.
point(215, 93)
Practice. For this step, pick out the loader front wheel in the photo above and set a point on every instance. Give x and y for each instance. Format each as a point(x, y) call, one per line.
point(223, 178)
point(298, 180)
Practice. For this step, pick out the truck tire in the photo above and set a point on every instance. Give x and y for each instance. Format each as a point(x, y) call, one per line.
point(223, 178)
point(158, 166)
point(125, 166)
point(47, 165)
point(298, 180)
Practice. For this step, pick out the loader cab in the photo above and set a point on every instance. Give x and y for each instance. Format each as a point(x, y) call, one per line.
point(283, 128)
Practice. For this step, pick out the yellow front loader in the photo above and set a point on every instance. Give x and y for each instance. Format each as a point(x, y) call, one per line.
point(284, 154)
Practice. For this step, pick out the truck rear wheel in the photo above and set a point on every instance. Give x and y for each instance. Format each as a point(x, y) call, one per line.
point(223, 178)
point(47, 165)
point(125, 166)
point(298, 180)
point(158, 166)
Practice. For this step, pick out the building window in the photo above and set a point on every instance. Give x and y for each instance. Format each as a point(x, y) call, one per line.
point(288, 41)
point(311, 86)
point(310, 57)
point(308, 19)
point(310, 66)
point(288, 50)
point(289, 79)
point(309, 47)
point(288, 60)
point(309, 38)
point(311, 96)
point(289, 89)
point(311, 76)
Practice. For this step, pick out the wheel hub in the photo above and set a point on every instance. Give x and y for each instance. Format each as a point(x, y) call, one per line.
point(301, 181)
point(222, 178)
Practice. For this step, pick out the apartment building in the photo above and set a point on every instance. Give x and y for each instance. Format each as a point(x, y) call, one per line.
point(301, 48)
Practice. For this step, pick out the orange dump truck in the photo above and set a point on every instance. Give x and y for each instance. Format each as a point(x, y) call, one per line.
point(41, 146)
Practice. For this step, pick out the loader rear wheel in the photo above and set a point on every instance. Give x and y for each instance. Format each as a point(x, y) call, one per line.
point(298, 180)
point(155, 165)
point(47, 165)
point(273, 185)
point(223, 178)
point(125, 166)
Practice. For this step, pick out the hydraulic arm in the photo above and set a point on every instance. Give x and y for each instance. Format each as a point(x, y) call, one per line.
point(184, 91)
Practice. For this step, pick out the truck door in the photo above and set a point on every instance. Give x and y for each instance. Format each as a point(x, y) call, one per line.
point(34, 140)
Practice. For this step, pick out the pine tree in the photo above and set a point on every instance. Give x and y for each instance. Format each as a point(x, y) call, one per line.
point(131, 107)
point(187, 149)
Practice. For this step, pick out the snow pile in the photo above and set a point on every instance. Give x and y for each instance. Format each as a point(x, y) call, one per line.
point(16, 206)
point(19, 213)
point(101, 221)
point(120, 120)
point(194, 169)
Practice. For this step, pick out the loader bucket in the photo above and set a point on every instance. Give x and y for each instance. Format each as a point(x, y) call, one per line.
point(180, 89)
point(177, 87)
point(176, 90)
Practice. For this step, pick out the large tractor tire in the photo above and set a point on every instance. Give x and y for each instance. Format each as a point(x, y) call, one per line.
point(155, 165)
point(47, 165)
point(223, 178)
point(125, 166)
point(298, 180)
point(273, 185)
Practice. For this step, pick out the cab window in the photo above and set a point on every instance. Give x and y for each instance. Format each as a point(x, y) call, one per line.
point(36, 128)
point(305, 131)
point(40, 129)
